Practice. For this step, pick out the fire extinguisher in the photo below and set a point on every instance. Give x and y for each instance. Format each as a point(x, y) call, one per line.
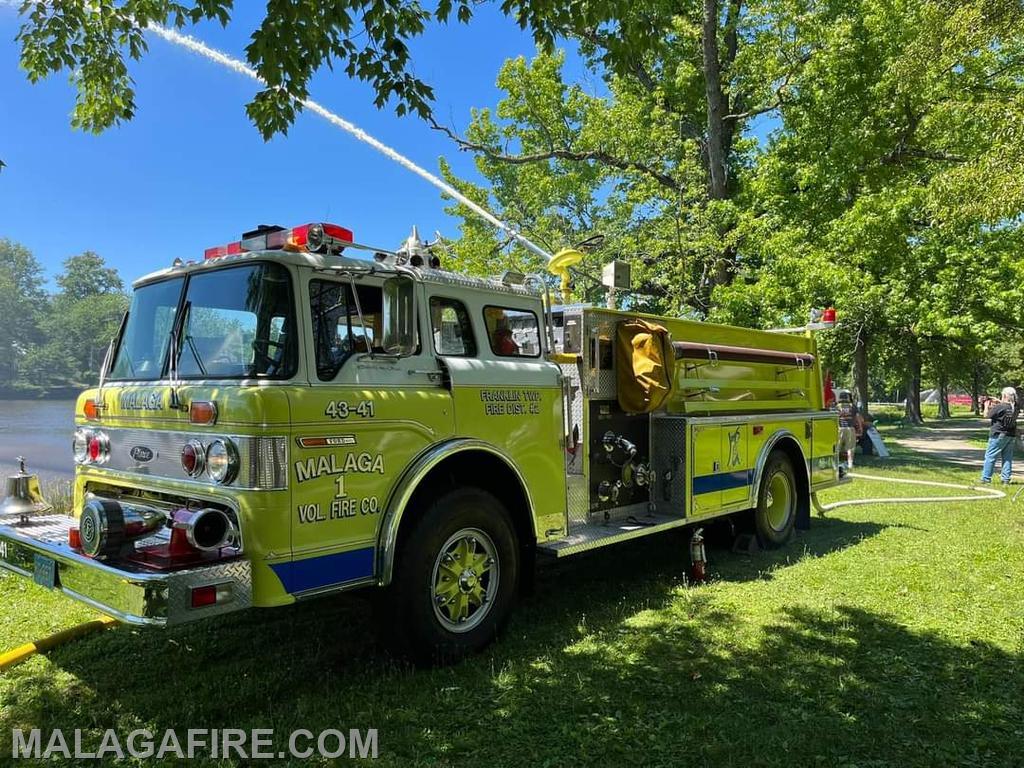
point(698, 557)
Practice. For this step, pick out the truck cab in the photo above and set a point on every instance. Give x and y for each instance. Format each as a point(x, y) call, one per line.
point(284, 419)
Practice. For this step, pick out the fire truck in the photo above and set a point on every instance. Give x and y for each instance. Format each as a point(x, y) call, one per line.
point(296, 415)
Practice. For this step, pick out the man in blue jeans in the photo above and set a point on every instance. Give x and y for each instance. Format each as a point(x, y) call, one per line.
point(1003, 415)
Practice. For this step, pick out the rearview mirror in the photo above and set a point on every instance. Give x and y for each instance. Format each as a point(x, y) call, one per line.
point(399, 317)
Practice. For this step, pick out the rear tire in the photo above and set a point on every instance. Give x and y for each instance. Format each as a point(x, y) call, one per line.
point(777, 502)
point(455, 580)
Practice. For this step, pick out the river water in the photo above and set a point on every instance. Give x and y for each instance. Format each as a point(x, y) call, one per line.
point(39, 430)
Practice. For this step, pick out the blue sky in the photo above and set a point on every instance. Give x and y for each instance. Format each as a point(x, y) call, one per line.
point(190, 171)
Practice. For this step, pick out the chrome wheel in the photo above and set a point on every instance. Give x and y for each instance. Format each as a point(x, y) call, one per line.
point(779, 501)
point(465, 579)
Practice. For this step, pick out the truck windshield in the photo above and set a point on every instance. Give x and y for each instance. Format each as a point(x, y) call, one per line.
point(143, 347)
point(237, 323)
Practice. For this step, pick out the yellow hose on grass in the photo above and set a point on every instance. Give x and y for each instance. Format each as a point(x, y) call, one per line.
point(981, 494)
point(23, 652)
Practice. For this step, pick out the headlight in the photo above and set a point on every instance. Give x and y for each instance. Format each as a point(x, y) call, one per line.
point(80, 445)
point(222, 461)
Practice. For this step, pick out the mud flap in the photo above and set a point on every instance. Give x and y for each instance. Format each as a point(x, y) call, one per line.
point(803, 514)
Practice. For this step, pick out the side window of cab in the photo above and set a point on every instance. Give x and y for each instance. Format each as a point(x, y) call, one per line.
point(451, 328)
point(343, 326)
point(512, 332)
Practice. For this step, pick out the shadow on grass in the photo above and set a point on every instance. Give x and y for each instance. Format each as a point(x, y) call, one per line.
point(611, 662)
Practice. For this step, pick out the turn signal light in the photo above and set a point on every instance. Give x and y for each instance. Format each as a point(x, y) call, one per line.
point(91, 410)
point(202, 412)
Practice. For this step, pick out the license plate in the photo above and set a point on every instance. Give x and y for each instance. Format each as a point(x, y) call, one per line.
point(45, 572)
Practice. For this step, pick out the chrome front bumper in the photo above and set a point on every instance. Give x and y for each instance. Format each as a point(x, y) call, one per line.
point(38, 549)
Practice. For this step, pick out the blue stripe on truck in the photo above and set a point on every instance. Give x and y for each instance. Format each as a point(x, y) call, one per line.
point(723, 481)
point(325, 570)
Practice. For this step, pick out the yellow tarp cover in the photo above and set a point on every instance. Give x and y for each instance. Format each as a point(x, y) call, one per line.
point(643, 363)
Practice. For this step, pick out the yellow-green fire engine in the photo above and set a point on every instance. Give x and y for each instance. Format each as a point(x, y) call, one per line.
point(280, 421)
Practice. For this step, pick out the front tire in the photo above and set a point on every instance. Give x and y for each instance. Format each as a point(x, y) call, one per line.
point(777, 502)
point(455, 579)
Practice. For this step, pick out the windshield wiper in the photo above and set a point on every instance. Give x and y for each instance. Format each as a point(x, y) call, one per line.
point(117, 342)
point(195, 354)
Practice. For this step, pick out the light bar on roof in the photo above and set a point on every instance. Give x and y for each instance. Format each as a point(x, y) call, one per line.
point(316, 238)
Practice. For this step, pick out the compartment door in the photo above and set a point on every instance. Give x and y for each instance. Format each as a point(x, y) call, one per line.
point(824, 444)
point(736, 464)
point(705, 466)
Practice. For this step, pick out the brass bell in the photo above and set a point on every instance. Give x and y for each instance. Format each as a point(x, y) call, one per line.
point(24, 496)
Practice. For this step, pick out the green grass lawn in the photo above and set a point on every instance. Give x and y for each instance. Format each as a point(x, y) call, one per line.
point(886, 635)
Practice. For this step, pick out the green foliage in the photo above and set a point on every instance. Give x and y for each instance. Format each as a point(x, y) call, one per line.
point(857, 199)
point(55, 341)
point(890, 187)
point(94, 41)
point(87, 275)
point(22, 300)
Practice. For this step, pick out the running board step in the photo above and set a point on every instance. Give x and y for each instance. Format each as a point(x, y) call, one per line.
point(595, 535)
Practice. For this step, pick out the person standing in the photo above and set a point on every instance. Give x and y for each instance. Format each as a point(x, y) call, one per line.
point(1003, 416)
point(847, 425)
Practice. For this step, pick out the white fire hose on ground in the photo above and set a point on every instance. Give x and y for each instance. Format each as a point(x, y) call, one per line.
point(982, 494)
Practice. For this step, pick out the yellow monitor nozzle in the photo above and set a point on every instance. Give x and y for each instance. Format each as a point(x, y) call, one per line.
point(559, 266)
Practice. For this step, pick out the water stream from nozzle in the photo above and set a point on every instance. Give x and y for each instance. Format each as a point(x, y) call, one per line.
point(219, 57)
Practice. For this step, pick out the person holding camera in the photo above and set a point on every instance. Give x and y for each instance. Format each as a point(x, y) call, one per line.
point(1003, 415)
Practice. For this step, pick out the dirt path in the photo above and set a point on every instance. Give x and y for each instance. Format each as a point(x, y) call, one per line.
point(948, 441)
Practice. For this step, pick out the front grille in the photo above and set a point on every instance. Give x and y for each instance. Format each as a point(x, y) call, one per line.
point(262, 461)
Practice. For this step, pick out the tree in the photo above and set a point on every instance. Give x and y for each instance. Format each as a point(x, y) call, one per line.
point(22, 300)
point(82, 319)
point(87, 275)
point(876, 130)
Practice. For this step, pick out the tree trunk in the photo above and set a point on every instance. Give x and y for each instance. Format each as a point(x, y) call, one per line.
point(860, 371)
point(720, 131)
point(716, 103)
point(943, 395)
point(976, 391)
point(912, 409)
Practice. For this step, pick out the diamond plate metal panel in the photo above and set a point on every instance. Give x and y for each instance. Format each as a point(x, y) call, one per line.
point(52, 529)
point(575, 425)
point(577, 500)
point(668, 460)
point(599, 369)
point(236, 573)
point(596, 535)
